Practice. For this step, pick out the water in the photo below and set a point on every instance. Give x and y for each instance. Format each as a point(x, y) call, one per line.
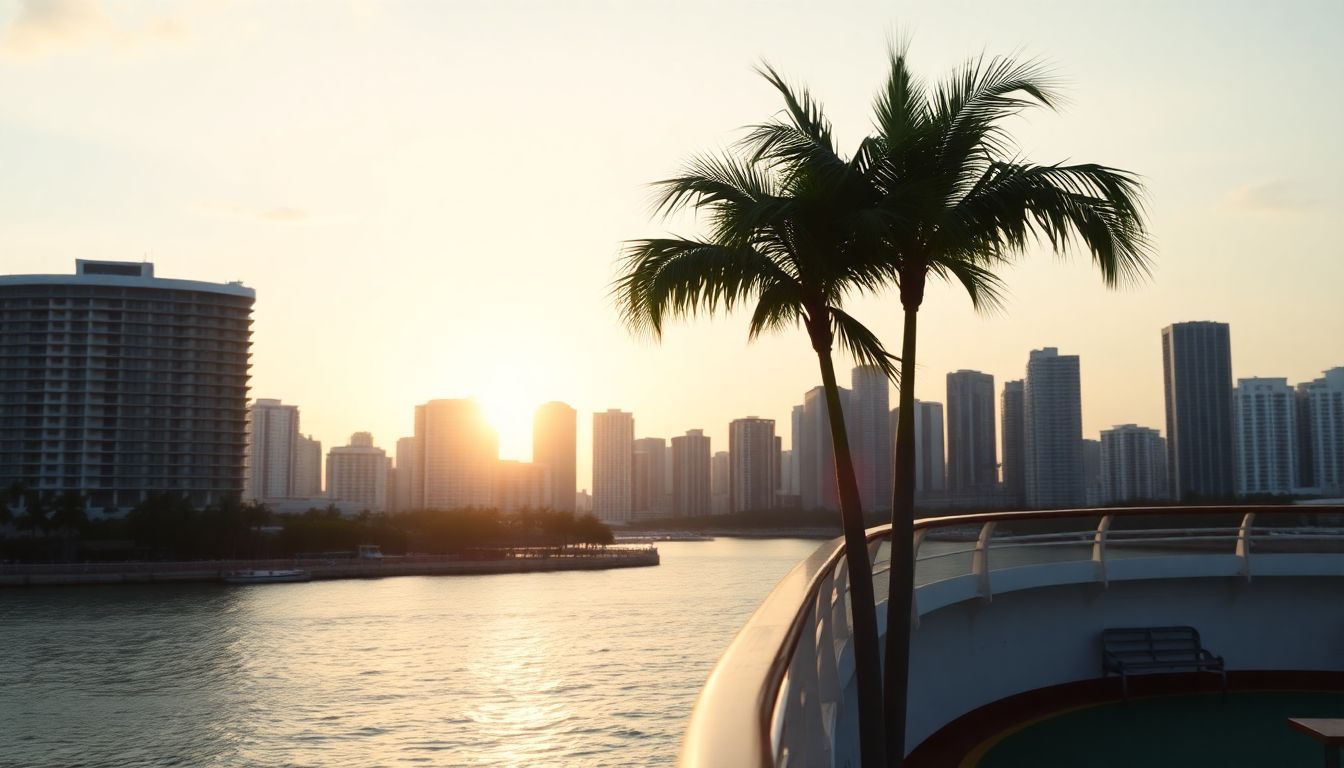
point(596, 668)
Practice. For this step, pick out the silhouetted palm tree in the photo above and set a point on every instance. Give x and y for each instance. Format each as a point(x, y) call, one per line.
point(794, 228)
point(10, 498)
point(68, 513)
point(967, 206)
point(37, 507)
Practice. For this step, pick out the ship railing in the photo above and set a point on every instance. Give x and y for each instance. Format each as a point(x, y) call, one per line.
point(777, 696)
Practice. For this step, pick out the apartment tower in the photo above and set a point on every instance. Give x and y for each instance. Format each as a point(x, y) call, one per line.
point(1053, 426)
point(554, 446)
point(1197, 384)
point(972, 444)
point(753, 478)
point(613, 471)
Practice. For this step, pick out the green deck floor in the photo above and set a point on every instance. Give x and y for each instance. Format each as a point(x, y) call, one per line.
point(1243, 729)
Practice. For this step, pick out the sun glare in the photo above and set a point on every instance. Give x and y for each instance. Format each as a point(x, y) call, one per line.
point(509, 410)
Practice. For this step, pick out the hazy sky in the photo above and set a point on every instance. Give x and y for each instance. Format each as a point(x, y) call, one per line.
point(429, 198)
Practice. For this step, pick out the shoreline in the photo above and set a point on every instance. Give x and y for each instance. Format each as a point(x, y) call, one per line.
point(213, 571)
point(816, 533)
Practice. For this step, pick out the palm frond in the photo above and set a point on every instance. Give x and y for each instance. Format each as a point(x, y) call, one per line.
point(710, 179)
point(804, 112)
point(901, 106)
point(673, 277)
point(778, 308)
point(983, 287)
point(861, 344)
point(1016, 203)
point(972, 107)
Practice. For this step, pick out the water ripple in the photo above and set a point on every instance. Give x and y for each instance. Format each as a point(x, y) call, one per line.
point(559, 669)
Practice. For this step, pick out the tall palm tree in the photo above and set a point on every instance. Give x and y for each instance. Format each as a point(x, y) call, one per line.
point(794, 228)
point(967, 205)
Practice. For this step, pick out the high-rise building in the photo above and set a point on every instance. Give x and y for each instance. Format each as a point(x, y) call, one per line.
point(817, 483)
point(307, 467)
point(752, 464)
point(972, 455)
point(719, 468)
point(794, 455)
point(522, 486)
point(613, 470)
point(1327, 432)
point(405, 495)
point(870, 436)
point(1133, 465)
point(649, 477)
point(357, 473)
point(786, 482)
point(118, 385)
point(554, 446)
point(1092, 472)
point(456, 453)
point(272, 450)
point(1053, 415)
point(1014, 442)
point(691, 474)
point(930, 460)
point(1197, 382)
point(1306, 444)
point(779, 466)
point(1265, 413)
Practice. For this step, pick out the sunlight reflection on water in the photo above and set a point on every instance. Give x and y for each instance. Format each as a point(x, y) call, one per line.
point(579, 669)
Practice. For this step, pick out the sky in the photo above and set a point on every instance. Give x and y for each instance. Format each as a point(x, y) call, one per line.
point(430, 198)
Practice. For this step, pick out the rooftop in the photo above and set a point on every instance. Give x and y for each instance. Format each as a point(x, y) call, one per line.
point(127, 274)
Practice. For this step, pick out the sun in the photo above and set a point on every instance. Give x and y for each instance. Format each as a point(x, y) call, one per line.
point(508, 407)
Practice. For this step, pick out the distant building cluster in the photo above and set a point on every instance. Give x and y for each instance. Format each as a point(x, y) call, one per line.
point(1259, 437)
point(451, 462)
point(652, 477)
point(117, 385)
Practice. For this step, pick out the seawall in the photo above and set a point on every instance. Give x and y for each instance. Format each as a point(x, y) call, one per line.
point(81, 574)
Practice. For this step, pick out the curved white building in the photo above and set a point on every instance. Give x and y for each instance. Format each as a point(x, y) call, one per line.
point(117, 384)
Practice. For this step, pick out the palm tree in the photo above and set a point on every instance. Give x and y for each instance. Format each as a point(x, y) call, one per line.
point(37, 506)
point(69, 517)
point(967, 205)
point(794, 228)
point(12, 496)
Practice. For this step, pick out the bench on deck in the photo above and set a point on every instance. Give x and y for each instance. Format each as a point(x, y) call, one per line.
point(1136, 650)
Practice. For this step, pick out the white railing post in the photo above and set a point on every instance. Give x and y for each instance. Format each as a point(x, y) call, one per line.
point(1099, 549)
point(1244, 544)
point(914, 567)
point(828, 672)
point(809, 686)
point(980, 560)
point(839, 613)
point(873, 547)
point(794, 741)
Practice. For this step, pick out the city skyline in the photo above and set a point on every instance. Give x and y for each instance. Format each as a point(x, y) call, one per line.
point(379, 259)
point(1283, 436)
point(640, 435)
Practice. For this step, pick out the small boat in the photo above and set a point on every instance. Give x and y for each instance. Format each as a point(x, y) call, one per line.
point(267, 577)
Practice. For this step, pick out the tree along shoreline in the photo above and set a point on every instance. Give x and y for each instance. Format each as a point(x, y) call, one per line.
point(36, 528)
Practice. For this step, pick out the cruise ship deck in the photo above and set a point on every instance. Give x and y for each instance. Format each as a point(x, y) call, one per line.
point(1009, 609)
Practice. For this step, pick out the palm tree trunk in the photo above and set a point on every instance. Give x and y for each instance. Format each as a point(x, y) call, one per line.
point(867, 657)
point(896, 680)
